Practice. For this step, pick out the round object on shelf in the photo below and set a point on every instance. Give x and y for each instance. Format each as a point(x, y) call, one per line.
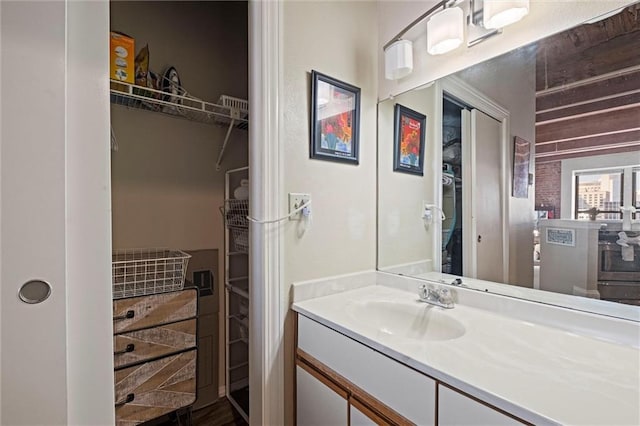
point(242, 192)
point(171, 84)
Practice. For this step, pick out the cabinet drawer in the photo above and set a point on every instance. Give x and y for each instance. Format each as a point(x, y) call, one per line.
point(142, 345)
point(455, 409)
point(136, 313)
point(406, 391)
point(155, 388)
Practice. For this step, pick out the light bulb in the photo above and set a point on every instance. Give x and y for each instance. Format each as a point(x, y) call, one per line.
point(445, 31)
point(500, 13)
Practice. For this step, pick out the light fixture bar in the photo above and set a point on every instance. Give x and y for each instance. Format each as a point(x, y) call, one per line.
point(476, 32)
point(443, 4)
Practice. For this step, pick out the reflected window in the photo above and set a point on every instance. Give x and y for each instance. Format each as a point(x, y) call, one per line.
point(599, 193)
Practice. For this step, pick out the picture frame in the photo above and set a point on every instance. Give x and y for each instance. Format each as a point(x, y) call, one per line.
point(521, 159)
point(335, 119)
point(409, 130)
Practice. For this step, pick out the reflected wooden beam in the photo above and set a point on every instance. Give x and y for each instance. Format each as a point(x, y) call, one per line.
point(604, 123)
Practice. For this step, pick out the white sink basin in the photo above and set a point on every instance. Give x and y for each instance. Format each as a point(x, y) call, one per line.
point(418, 321)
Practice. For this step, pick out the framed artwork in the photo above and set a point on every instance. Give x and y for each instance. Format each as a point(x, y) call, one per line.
point(521, 155)
point(335, 119)
point(408, 140)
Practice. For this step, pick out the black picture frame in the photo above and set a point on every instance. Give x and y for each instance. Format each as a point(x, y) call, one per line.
point(335, 119)
point(409, 128)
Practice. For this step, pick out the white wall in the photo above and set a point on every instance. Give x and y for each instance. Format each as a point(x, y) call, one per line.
point(402, 235)
point(545, 18)
point(337, 39)
point(509, 80)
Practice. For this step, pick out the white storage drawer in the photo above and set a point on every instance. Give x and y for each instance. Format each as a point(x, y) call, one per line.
point(409, 393)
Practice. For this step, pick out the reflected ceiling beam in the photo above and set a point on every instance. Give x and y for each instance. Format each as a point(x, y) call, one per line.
point(588, 89)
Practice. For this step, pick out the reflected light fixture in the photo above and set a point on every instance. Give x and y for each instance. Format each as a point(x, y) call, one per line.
point(445, 31)
point(398, 59)
point(500, 13)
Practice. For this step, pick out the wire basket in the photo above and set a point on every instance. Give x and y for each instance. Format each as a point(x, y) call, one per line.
point(138, 272)
point(235, 213)
point(240, 237)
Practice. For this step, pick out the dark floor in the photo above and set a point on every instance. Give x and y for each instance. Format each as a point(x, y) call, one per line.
point(221, 413)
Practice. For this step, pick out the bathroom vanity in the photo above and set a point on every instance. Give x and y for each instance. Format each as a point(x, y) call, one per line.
point(369, 352)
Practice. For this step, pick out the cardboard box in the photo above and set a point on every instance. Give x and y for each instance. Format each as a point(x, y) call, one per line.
point(122, 57)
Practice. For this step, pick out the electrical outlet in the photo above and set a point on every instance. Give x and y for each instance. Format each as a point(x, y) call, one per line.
point(295, 201)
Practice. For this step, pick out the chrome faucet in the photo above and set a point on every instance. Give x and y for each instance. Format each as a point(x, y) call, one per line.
point(439, 297)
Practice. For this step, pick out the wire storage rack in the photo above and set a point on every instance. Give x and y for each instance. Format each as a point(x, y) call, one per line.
point(138, 272)
point(229, 112)
point(179, 103)
point(235, 218)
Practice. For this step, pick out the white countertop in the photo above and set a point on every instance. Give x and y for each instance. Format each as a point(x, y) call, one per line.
point(537, 372)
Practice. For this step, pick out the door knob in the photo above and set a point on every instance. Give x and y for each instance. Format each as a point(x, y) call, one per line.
point(479, 238)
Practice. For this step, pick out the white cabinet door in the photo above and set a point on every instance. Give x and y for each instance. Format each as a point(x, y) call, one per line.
point(408, 392)
point(456, 409)
point(317, 404)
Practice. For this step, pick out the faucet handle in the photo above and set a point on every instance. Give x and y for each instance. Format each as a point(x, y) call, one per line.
point(423, 291)
point(445, 295)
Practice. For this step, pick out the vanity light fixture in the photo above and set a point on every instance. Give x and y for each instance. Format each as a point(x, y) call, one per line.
point(500, 13)
point(398, 59)
point(445, 29)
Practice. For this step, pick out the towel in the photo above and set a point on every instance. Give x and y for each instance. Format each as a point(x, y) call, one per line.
point(627, 243)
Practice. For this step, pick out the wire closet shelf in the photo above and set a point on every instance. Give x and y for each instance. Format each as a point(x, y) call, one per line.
point(178, 103)
point(138, 272)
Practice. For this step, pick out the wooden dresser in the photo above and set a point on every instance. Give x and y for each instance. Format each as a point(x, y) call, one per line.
point(155, 354)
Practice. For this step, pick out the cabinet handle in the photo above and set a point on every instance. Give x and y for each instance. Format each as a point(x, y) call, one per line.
point(128, 315)
point(129, 398)
point(129, 348)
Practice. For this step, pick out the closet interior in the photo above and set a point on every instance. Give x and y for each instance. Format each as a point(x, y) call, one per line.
point(452, 186)
point(179, 138)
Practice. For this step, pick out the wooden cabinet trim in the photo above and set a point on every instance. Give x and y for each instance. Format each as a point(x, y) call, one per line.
point(352, 391)
point(486, 404)
point(322, 378)
point(364, 409)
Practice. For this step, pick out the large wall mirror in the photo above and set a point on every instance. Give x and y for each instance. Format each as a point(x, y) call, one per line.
point(531, 172)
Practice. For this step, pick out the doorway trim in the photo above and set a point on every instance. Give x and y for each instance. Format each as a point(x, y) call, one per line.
point(267, 304)
point(456, 88)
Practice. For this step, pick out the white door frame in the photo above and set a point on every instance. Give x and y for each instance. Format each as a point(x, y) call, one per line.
point(268, 304)
point(457, 88)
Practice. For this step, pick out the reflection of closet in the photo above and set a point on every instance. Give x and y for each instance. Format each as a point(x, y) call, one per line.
point(236, 281)
point(452, 187)
point(472, 153)
point(172, 148)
